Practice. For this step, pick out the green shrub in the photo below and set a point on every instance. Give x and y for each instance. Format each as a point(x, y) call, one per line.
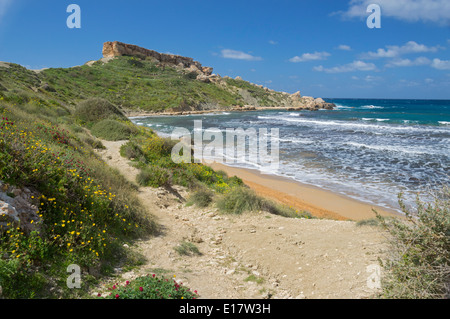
point(368, 222)
point(154, 176)
point(191, 75)
point(157, 147)
point(202, 198)
point(92, 142)
point(150, 287)
point(17, 284)
point(242, 199)
point(131, 150)
point(112, 130)
point(418, 261)
point(96, 109)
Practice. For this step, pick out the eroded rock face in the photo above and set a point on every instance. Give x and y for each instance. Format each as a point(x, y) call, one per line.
point(16, 208)
point(115, 49)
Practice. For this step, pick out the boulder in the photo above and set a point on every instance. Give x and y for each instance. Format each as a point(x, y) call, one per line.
point(207, 70)
point(16, 208)
point(203, 78)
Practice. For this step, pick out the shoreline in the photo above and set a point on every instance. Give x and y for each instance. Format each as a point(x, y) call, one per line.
point(139, 114)
point(319, 202)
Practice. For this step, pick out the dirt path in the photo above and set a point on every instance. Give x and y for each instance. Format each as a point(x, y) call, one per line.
point(255, 255)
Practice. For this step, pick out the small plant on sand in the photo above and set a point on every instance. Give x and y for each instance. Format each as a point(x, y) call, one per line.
point(256, 279)
point(201, 198)
point(150, 287)
point(187, 249)
point(242, 199)
point(368, 222)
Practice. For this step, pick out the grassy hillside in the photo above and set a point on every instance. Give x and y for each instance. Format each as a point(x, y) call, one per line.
point(132, 84)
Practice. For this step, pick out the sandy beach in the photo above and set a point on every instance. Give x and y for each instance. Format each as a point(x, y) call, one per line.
point(320, 203)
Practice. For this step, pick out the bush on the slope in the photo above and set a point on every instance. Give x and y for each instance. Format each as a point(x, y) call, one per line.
point(96, 109)
point(112, 130)
point(132, 151)
point(418, 263)
point(85, 208)
point(154, 176)
point(202, 198)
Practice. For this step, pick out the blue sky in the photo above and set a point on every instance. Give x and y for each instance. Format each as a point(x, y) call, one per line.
point(322, 48)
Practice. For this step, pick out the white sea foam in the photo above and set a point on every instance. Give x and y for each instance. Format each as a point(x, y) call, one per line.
point(395, 149)
point(343, 107)
point(371, 107)
point(353, 125)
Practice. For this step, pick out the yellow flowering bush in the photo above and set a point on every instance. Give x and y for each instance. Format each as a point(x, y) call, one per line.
point(79, 219)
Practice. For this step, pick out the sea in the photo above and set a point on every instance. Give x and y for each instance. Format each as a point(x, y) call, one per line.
point(367, 149)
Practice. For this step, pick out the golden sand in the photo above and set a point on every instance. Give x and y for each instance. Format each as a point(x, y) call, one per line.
point(320, 203)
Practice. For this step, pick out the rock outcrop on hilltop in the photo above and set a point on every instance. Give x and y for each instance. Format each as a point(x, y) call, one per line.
point(252, 95)
point(115, 49)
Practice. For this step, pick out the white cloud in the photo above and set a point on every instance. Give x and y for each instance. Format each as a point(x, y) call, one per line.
point(408, 62)
point(344, 47)
point(371, 78)
point(4, 6)
point(441, 64)
point(239, 55)
point(436, 11)
point(310, 57)
point(394, 51)
point(408, 83)
point(350, 67)
point(273, 42)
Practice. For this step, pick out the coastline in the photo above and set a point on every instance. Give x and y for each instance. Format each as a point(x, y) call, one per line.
point(138, 114)
point(319, 202)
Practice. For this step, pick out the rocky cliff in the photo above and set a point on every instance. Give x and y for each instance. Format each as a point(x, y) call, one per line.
point(115, 49)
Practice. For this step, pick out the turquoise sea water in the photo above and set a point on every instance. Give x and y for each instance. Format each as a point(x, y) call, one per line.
point(368, 149)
